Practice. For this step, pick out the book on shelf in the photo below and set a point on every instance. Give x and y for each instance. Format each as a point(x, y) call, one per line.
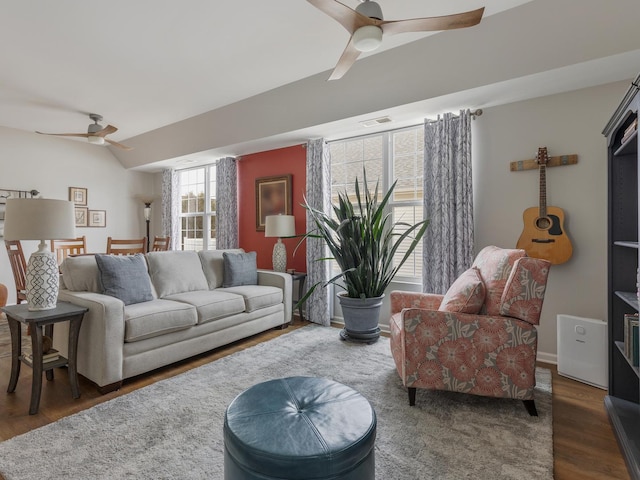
point(634, 345)
point(631, 340)
point(51, 355)
point(630, 130)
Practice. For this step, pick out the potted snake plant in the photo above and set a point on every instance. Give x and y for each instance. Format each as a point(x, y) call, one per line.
point(363, 240)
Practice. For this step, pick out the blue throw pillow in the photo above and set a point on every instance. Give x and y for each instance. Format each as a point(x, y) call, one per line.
point(239, 269)
point(125, 277)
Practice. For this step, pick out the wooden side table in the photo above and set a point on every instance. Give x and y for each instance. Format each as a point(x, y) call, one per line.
point(64, 311)
point(301, 278)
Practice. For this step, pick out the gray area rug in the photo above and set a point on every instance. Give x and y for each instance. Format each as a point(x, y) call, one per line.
point(5, 338)
point(173, 428)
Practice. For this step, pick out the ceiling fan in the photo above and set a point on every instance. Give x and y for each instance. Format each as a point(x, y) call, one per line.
point(366, 26)
point(95, 133)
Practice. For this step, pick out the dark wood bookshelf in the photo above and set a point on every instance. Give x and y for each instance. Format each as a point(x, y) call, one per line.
point(623, 400)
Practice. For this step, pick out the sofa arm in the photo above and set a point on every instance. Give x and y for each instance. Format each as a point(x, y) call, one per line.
point(280, 280)
point(403, 299)
point(101, 341)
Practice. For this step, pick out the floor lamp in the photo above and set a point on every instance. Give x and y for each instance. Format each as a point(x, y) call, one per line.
point(40, 219)
point(147, 218)
point(279, 226)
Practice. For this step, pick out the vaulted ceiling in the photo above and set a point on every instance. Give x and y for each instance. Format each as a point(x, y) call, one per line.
point(199, 78)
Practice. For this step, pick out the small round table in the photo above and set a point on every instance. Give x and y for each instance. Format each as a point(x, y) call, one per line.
point(299, 428)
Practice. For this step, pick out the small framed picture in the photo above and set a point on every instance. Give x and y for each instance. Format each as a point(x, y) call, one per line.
point(82, 217)
point(78, 195)
point(97, 218)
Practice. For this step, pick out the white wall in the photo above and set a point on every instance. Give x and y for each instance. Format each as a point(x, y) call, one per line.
point(51, 165)
point(569, 123)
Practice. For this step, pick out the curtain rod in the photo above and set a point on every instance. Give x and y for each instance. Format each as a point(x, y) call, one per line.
point(474, 115)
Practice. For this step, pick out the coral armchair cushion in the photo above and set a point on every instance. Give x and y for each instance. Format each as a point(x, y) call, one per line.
point(495, 266)
point(524, 292)
point(466, 294)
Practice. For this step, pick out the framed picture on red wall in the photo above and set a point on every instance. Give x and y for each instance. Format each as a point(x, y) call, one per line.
point(273, 197)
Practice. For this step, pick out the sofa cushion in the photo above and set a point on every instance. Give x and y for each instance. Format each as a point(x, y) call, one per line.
point(176, 271)
point(125, 277)
point(465, 295)
point(211, 304)
point(213, 265)
point(81, 274)
point(257, 296)
point(158, 317)
point(239, 269)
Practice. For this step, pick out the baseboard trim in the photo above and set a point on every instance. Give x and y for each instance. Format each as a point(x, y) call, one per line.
point(545, 357)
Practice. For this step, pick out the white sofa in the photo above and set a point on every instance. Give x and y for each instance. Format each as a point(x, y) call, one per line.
point(189, 313)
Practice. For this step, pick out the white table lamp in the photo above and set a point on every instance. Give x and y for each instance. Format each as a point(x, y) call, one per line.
point(279, 226)
point(40, 219)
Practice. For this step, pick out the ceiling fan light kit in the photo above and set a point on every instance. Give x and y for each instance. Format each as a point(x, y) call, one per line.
point(95, 140)
point(367, 38)
point(366, 26)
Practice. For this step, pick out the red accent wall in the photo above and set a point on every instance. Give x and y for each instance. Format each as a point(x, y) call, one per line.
point(290, 160)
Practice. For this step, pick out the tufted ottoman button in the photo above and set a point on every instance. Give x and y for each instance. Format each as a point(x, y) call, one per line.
point(299, 428)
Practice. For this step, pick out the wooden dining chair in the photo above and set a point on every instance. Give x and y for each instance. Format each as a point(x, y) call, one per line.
point(160, 244)
point(18, 267)
point(126, 246)
point(69, 246)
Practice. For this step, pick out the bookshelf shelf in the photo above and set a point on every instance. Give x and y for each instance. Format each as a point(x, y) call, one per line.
point(620, 346)
point(629, 146)
point(630, 298)
point(627, 244)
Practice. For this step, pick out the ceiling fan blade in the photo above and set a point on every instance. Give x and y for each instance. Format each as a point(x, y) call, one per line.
point(85, 135)
point(432, 24)
point(105, 131)
point(348, 58)
point(345, 16)
point(119, 145)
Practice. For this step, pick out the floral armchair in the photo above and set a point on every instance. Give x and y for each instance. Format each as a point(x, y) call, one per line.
point(479, 337)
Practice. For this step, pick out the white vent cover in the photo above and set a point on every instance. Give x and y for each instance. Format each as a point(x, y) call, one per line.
point(375, 121)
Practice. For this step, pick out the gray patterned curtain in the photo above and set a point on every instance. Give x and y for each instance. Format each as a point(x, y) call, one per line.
point(171, 207)
point(448, 201)
point(318, 196)
point(226, 204)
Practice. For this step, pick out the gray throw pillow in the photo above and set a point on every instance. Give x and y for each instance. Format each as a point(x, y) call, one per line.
point(125, 277)
point(239, 269)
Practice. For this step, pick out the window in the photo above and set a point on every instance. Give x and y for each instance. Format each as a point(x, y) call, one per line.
point(198, 208)
point(406, 165)
point(386, 157)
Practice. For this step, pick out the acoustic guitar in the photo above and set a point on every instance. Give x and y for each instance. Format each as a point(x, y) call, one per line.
point(544, 235)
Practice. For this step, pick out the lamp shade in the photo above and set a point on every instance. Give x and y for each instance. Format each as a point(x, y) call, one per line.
point(279, 226)
point(39, 219)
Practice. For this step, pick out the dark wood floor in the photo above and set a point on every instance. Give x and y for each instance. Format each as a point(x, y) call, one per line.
point(583, 443)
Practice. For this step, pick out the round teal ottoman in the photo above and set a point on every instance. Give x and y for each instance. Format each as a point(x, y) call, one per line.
point(299, 428)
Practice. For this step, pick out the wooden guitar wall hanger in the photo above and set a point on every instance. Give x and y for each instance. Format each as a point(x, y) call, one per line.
point(544, 235)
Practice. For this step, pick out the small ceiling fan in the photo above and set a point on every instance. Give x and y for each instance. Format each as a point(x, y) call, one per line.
point(366, 26)
point(95, 133)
